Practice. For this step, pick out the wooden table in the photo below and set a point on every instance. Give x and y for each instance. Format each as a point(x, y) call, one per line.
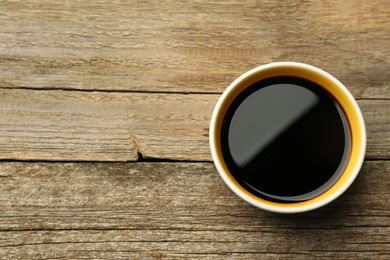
point(104, 113)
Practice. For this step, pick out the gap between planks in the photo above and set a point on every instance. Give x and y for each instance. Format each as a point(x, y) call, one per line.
point(140, 160)
point(120, 91)
point(151, 92)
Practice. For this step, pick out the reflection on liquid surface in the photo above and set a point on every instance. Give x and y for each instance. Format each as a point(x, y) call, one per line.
point(286, 139)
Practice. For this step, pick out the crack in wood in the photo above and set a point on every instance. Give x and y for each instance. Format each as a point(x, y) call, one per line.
point(137, 147)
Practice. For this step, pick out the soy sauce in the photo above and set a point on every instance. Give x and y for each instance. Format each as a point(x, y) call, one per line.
point(285, 139)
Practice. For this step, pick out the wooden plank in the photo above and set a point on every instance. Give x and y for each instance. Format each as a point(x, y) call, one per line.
point(189, 46)
point(67, 125)
point(96, 126)
point(177, 210)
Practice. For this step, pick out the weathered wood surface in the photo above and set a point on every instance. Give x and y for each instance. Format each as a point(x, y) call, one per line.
point(113, 210)
point(107, 81)
point(96, 126)
point(189, 46)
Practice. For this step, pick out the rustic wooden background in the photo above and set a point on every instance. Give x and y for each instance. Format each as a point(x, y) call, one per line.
point(104, 113)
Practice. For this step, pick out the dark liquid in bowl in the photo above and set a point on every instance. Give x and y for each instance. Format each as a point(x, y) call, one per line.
point(285, 139)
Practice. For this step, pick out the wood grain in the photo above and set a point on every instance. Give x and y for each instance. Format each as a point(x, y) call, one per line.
point(121, 81)
point(189, 46)
point(176, 210)
point(96, 126)
point(63, 125)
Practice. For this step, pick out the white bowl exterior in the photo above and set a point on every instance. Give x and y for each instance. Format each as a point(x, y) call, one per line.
point(257, 203)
